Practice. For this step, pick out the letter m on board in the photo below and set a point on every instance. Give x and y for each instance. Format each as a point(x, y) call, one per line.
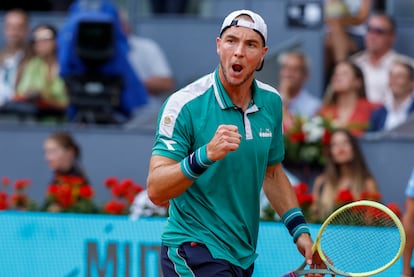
point(110, 264)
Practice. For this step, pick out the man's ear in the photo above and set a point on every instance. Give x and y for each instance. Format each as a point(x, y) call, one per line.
point(218, 41)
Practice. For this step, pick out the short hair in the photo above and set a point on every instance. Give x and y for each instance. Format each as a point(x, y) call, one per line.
point(296, 53)
point(20, 12)
point(387, 17)
point(409, 67)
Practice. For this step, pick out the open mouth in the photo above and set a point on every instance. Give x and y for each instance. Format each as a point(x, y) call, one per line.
point(237, 68)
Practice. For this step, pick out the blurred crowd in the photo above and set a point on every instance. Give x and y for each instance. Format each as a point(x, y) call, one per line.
point(92, 70)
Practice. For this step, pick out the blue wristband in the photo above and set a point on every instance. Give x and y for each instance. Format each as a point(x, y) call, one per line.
point(196, 163)
point(295, 223)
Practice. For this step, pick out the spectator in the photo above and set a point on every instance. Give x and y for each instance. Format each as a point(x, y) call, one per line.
point(151, 66)
point(148, 60)
point(63, 154)
point(15, 52)
point(345, 170)
point(375, 61)
point(39, 82)
point(297, 100)
point(345, 23)
point(408, 222)
point(345, 103)
point(396, 112)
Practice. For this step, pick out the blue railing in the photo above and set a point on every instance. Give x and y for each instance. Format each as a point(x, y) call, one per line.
point(69, 245)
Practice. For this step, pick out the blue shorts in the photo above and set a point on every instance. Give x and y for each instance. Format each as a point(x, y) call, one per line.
point(194, 259)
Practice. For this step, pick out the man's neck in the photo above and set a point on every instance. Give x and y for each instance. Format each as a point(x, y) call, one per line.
point(11, 51)
point(400, 100)
point(375, 58)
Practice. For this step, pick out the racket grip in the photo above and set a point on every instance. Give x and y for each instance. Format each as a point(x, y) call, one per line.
point(290, 274)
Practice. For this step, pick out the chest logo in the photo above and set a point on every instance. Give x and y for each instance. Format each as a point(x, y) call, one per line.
point(265, 133)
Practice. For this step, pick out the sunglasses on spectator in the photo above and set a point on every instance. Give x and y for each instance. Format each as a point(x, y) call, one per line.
point(377, 30)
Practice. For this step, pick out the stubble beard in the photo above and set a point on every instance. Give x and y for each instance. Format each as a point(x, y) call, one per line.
point(235, 84)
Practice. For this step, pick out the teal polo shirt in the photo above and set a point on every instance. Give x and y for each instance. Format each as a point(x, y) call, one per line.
point(221, 208)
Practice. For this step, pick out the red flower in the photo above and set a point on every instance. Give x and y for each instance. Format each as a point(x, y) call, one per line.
point(19, 200)
point(297, 137)
point(111, 181)
point(53, 189)
point(301, 188)
point(344, 196)
point(395, 209)
point(369, 195)
point(305, 199)
point(117, 191)
point(5, 181)
point(3, 201)
point(21, 184)
point(114, 207)
point(124, 191)
point(86, 192)
point(326, 138)
point(64, 196)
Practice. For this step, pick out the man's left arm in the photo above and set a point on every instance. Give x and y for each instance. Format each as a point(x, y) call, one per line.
point(278, 189)
point(282, 197)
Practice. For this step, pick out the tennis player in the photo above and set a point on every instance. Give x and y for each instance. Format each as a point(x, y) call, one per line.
point(218, 141)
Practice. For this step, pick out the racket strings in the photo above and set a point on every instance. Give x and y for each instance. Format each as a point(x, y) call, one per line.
point(360, 239)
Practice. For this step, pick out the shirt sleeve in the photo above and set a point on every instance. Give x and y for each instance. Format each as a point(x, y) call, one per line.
point(409, 192)
point(277, 149)
point(173, 136)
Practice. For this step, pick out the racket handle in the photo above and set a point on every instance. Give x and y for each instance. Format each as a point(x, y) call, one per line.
point(290, 274)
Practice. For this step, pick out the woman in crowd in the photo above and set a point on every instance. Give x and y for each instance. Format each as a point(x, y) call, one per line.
point(62, 153)
point(69, 183)
point(345, 102)
point(39, 81)
point(345, 171)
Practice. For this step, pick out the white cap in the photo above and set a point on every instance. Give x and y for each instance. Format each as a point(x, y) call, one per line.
point(258, 23)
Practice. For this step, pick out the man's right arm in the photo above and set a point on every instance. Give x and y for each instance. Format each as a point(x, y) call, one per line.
point(165, 180)
point(408, 221)
point(168, 178)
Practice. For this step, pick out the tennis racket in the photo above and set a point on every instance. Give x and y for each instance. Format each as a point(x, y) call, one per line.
point(359, 239)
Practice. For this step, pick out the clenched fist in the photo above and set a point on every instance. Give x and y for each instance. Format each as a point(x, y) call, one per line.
point(226, 139)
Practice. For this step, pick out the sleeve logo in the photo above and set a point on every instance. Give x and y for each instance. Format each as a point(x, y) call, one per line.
point(169, 144)
point(167, 120)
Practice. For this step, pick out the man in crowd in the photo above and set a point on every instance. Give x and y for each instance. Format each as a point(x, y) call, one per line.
point(297, 100)
point(13, 55)
point(396, 111)
point(376, 60)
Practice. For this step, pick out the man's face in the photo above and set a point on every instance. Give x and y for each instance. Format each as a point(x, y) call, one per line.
point(241, 52)
point(15, 29)
point(293, 71)
point(401, 84)
point(380, 37)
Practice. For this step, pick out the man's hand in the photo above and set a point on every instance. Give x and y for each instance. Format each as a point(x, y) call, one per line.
point(305, 244)
point(225, 140)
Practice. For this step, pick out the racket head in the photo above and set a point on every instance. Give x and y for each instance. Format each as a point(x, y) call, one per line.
point(361, 238)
